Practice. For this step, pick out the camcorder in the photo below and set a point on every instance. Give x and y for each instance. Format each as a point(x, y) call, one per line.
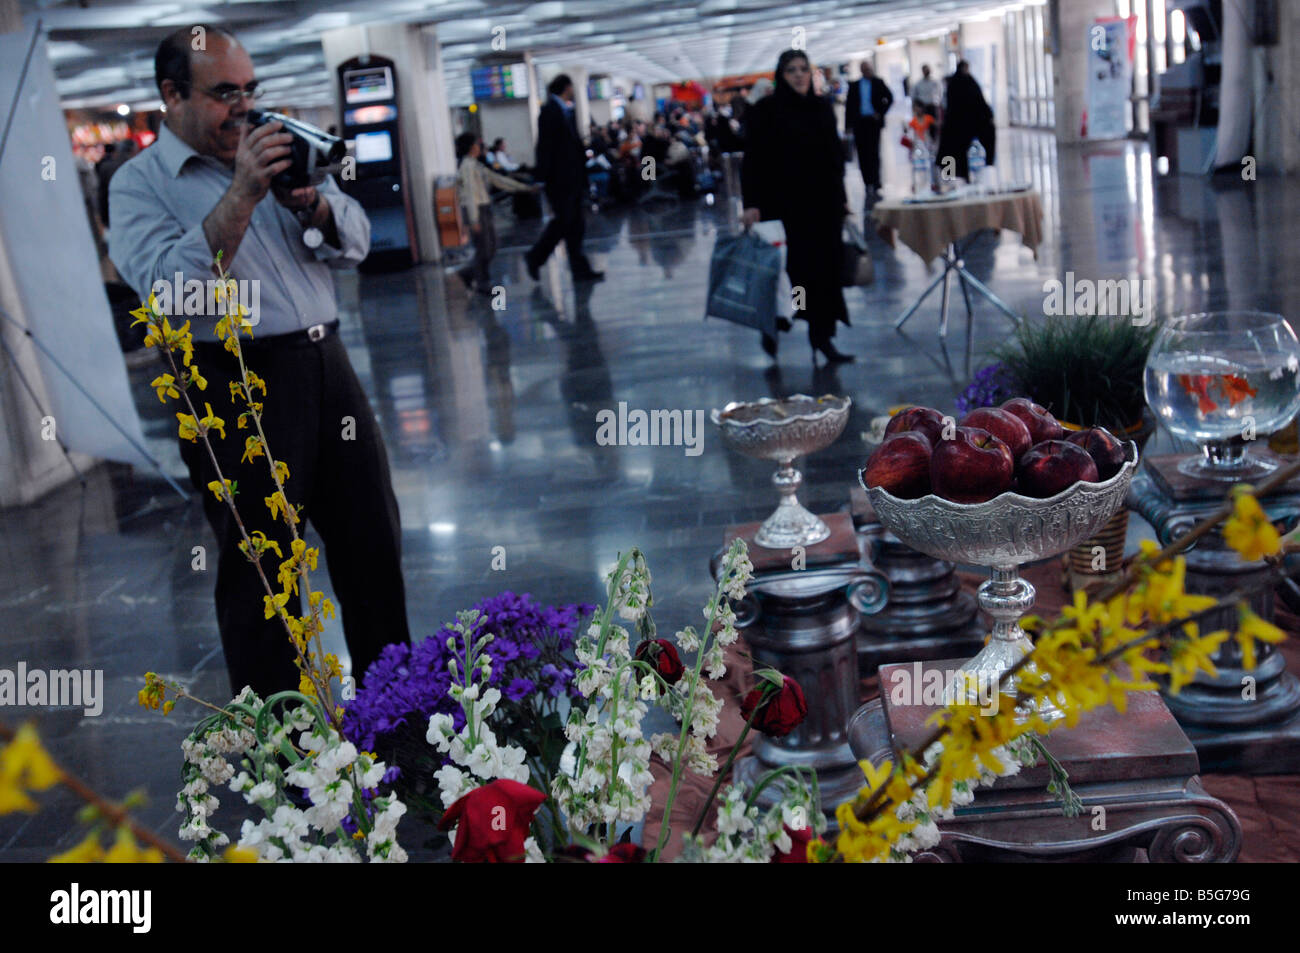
point(315, 153)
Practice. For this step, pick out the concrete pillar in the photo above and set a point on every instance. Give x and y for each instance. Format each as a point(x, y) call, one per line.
point(1286, 64)
point(581, 104)
point(427, 137)
point(1071, 66)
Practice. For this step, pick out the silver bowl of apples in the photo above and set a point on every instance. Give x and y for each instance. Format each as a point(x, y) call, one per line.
point(975, 498)
point(999, 489)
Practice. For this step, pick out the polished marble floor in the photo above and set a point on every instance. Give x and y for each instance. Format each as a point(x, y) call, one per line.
point(490, 421)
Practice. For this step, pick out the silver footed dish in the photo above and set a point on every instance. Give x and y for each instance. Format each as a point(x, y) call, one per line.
point(784, 430)
point(1004, 533)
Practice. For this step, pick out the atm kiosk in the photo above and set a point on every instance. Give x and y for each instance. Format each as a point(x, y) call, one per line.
point(368, 93)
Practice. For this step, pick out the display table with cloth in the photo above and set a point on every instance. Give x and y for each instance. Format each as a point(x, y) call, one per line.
point(946, 227)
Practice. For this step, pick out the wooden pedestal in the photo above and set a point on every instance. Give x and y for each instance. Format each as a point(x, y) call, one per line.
point(1136, 773)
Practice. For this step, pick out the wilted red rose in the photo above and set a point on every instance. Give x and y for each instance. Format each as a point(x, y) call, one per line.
point(780, 711)
point(492, 822)
point(662, 654)
point(798, 853)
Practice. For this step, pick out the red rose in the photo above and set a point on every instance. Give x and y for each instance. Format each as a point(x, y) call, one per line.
point(492, 822)
point(662, 655)
point(618, 854)
point(780, 711)
point(624, 854)
point(798, 847)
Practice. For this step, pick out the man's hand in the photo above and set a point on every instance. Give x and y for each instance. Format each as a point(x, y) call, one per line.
point(262, 155)
point(751, 217)
point(295, 199)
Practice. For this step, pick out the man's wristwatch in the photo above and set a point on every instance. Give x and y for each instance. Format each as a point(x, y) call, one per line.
point(311, 236)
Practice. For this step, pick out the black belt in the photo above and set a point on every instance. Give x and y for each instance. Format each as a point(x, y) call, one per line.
point(314, 334)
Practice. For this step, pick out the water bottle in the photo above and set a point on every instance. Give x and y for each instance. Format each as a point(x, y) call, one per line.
point(920, 169)
point(975, 162)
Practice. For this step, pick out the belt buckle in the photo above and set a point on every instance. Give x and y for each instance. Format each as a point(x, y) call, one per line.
point(316, 332)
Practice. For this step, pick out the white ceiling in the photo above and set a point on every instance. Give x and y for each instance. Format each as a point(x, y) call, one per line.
point(103, 49)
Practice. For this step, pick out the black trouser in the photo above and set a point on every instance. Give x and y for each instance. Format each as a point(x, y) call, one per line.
point(485, 246)
point(317, 420)
point(567, 225)
point(866, 138)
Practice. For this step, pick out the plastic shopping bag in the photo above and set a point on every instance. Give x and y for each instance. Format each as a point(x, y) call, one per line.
point(743, 276)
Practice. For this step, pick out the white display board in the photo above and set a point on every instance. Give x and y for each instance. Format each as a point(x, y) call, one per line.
point(1110, 76)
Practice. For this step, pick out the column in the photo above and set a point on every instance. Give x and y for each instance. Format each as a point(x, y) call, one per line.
point(427, 139)
point(1071, 66)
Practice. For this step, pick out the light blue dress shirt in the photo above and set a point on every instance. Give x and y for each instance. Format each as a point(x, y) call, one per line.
point(157, 203)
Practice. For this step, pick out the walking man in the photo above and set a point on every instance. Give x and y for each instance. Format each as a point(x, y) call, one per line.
point(562, 168)
point(864, 116)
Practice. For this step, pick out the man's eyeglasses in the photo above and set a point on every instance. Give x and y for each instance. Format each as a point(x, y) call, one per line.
point(230, 95)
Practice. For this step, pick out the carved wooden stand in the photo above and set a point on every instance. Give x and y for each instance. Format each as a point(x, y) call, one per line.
point(1136, 773)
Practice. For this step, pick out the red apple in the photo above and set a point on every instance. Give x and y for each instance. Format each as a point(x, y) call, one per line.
point(1042, 425)
point(1052, 466)
point(1104, 448)
point(972, 467)
point(1004, 425)
point(901, 465)
point(927, 420)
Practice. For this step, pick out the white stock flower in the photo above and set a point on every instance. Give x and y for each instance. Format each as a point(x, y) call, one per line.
point(532, 853)
point(262, 791)
point(687, 639)
point(452, 783)
point(715, 661)
point(482, 761)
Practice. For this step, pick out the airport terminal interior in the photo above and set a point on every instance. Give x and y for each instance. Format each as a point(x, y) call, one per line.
point(585, 238)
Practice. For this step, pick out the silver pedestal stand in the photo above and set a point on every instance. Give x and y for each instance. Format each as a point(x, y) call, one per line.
point(1003, 534)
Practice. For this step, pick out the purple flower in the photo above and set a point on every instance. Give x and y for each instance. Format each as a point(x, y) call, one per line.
point(409, 683)
point(991, 386)
point(520, 688)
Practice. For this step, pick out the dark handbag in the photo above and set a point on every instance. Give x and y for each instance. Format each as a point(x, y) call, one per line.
point(743, 275)
point(859, 269)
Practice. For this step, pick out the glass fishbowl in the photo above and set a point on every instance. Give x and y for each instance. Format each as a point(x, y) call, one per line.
point(1223, 380)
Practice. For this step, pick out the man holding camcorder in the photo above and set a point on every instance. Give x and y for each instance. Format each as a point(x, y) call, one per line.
point(207, 186)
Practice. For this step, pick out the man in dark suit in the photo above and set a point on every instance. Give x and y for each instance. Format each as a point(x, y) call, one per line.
point(562, 168)
point(864, 116)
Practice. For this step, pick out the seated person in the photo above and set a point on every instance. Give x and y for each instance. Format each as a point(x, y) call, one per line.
point(499, 159)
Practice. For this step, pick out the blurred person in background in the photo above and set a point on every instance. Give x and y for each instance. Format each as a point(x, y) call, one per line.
point(472, 180)
point(966, 117)
point(499, 158)
point(793, 170)
point(928, 92)
point(562, 169)
point(864, 117)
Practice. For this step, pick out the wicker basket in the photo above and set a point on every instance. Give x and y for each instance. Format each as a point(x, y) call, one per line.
point(1077, 565)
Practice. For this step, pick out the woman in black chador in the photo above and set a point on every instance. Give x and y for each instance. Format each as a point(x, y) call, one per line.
point(794, 171)
point(966, 117)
